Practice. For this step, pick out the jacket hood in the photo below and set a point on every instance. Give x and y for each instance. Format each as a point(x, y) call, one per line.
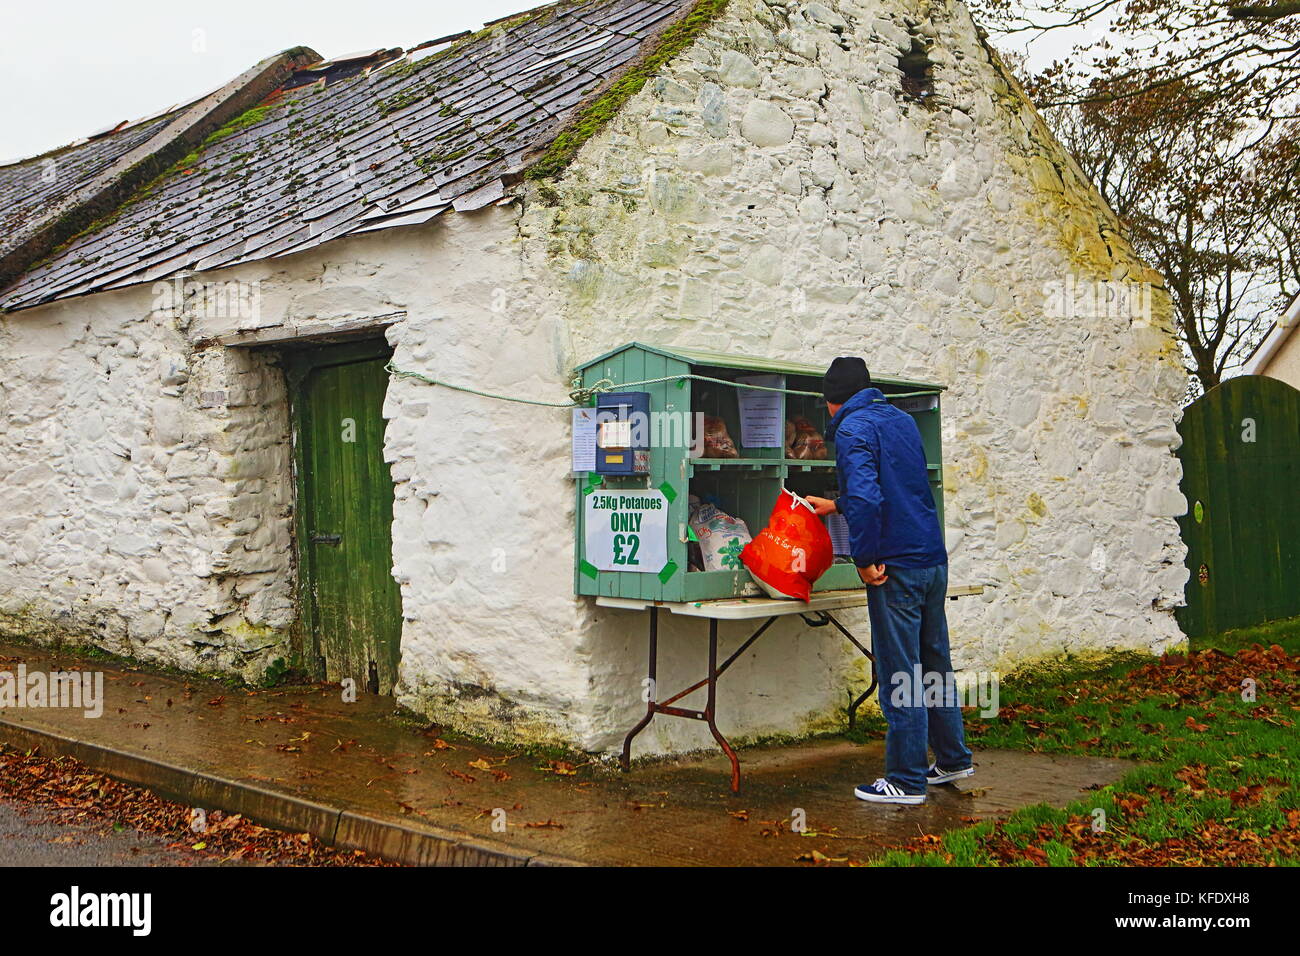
point(856, 403)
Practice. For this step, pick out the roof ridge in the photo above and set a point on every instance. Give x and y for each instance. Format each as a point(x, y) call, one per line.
point(109, 188)
point(375, 141)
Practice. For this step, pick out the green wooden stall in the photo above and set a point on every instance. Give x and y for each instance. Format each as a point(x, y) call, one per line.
point(695, 381)
point(1241, 478)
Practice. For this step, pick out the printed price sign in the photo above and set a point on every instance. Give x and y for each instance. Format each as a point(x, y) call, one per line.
point(627, 530)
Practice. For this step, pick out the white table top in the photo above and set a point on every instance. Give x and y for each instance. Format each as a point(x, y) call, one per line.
point(740, 609)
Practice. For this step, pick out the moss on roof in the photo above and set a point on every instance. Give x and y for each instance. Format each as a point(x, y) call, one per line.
point(592, 118)
point(453, 121)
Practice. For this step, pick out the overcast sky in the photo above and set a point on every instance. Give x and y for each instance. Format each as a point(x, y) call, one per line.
point(69, 68)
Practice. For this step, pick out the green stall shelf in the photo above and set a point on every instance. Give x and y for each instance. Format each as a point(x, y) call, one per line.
point(639, 530)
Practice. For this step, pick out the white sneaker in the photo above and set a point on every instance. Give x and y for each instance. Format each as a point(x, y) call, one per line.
point(882, 791)
point(934, 776)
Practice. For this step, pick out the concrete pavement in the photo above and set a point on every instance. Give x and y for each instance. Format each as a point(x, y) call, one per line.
point(358, 775)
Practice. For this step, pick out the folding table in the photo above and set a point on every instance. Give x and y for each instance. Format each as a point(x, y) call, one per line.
point(815, 613)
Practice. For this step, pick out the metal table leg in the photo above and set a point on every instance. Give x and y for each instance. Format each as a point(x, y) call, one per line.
point(650, 704)
point(853, 707)
point(710, 707)
point(715, 671)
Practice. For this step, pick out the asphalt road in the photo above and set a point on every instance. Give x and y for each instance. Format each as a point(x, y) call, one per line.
point(30, 836)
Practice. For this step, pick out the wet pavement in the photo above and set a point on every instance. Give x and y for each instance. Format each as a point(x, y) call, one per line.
point(381, 768)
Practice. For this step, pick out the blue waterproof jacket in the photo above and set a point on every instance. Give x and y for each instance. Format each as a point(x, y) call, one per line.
point(884, 488)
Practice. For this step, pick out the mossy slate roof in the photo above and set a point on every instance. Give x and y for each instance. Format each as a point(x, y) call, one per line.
point(372, 142)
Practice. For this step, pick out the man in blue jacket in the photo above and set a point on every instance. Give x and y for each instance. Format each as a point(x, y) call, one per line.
point(884, 495)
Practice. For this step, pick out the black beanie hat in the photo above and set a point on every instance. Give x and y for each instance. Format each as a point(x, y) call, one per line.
point(846, 377)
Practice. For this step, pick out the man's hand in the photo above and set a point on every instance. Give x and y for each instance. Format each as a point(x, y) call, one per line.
point(873, 574)
point(821, 506)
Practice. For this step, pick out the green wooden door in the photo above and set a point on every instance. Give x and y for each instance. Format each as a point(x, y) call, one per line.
point(1241, 475)
point(351, 609)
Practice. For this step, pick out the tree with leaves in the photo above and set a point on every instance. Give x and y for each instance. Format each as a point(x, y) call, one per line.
point(1182, 114)
point(1248, 54)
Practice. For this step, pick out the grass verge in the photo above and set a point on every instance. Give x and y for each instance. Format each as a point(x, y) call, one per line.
point(1219, 782)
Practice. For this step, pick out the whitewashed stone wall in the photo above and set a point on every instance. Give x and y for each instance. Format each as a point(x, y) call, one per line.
point(151, 490)
point(482, 522)
point(147, 488)
point(770, 193)
point(150, 476)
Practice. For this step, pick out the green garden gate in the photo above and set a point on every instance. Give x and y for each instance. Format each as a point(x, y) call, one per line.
point(1241, 478)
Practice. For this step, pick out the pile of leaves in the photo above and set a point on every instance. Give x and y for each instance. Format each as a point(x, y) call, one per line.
point(1205, 673)
point(1219, 782)
point(76, 794)
point(1210, 843)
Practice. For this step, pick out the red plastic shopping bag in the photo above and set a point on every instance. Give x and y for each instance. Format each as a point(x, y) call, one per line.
point(788, 556)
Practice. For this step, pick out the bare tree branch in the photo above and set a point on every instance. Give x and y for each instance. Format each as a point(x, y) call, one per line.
point(1264, 11)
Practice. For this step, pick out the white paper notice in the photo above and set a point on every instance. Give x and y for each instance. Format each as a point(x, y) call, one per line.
point(584, 439)
point(762, 424)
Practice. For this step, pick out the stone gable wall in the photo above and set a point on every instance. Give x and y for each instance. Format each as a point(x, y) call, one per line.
point(773, 192)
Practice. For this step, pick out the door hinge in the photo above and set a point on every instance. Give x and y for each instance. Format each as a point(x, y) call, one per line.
point(333, 539)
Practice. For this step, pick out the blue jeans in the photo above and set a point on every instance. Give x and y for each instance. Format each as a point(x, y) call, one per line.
point(909, 637)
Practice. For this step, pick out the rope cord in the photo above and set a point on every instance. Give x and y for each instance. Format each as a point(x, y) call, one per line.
point(582, 395)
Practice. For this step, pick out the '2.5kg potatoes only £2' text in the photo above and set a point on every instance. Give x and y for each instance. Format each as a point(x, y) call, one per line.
point(626, 532)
